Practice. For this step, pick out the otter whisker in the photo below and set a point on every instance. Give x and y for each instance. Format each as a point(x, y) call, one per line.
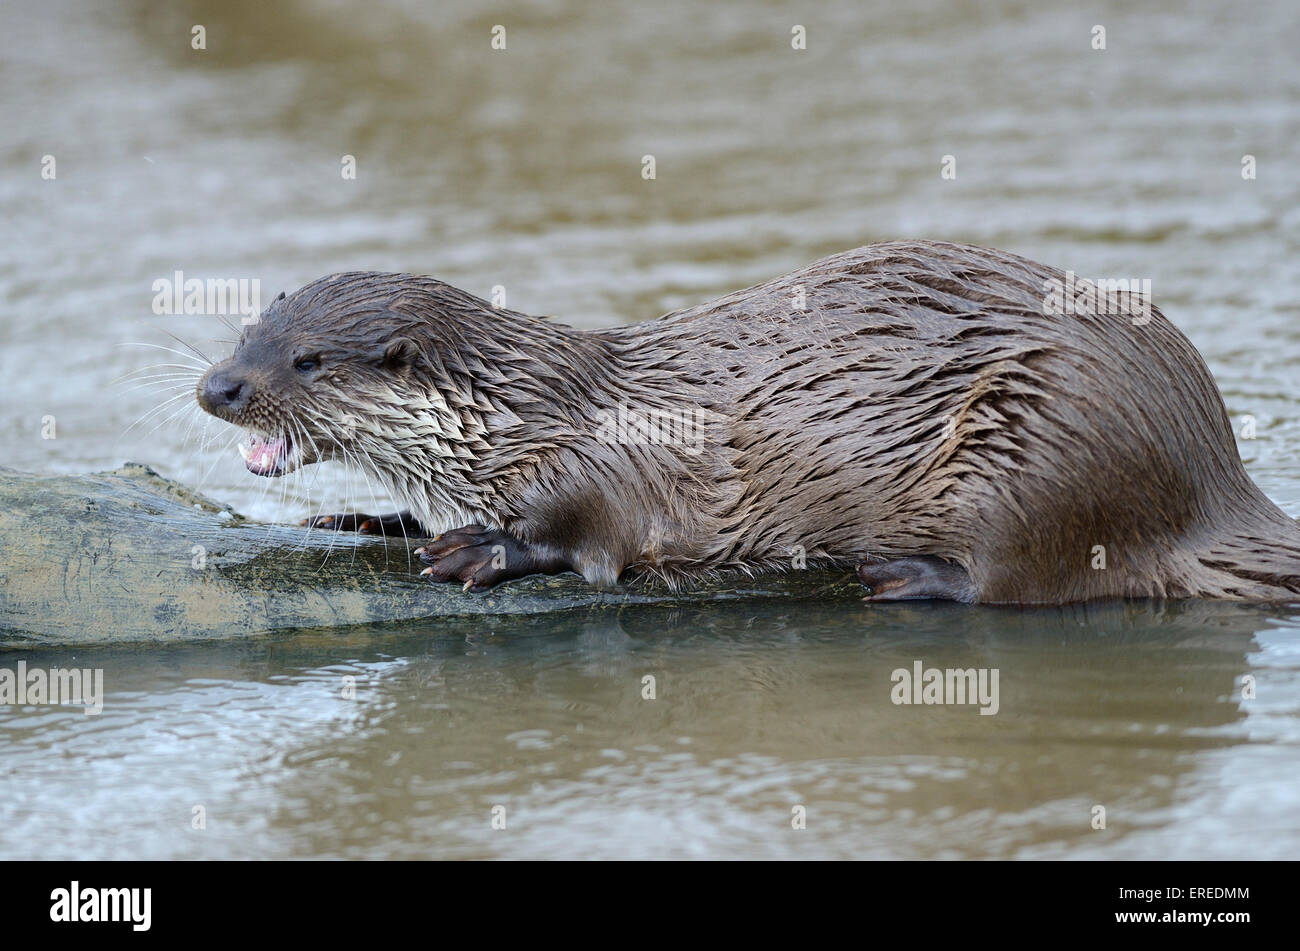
point(352, 464)
point(196, 416)
point(191, 347)
point(311, 488)
point(374, 470)
point(192, 371)
point(184, 407)
point(295, 491)
point(155, 410)
point(179, 353)
point(230, 444)
point(348, 502)
point(320, 510)
point(229, 325)
point(192, 377)
point(158, 386)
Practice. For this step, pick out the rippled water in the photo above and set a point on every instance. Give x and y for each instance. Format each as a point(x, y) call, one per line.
point(758, 709)
point(522, 168)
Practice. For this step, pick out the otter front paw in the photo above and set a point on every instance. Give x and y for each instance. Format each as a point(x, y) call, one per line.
point(399, 524)
point(482, 557)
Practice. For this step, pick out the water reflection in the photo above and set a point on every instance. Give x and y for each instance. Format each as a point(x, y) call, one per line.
point(758, 708)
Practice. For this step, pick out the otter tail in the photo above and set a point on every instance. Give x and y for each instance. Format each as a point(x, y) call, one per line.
point(1258, 560)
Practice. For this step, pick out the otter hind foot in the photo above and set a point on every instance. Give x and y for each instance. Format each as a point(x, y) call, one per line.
point(398, 524)
point(913, 579)
point(483, 557)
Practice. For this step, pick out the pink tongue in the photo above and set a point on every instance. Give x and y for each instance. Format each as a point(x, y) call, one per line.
point(264, 455)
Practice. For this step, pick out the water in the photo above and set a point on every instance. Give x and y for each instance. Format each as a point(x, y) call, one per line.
point(758, 709)
point(522, 169)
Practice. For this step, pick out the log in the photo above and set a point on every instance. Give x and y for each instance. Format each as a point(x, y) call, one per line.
point(129, 556)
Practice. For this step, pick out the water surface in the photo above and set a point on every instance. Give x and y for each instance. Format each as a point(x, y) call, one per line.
point(758, 709)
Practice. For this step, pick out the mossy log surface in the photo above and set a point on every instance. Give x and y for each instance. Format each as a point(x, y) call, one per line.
point(129, 556)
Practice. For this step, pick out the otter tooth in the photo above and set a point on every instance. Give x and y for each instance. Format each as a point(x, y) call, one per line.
point(244, 451)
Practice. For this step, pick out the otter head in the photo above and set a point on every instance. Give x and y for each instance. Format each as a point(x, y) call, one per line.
point(341, 369)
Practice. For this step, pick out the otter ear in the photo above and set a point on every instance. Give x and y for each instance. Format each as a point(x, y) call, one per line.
point(398, 354)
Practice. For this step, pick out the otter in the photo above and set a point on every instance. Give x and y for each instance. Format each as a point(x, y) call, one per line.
point(920, 412)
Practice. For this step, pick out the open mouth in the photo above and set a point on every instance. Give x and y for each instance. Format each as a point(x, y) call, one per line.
point(269, 456)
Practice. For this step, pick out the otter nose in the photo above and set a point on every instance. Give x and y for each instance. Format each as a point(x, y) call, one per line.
point(224, 392)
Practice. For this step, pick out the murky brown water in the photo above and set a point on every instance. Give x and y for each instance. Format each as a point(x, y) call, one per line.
point(522, 169)
point(757, 710)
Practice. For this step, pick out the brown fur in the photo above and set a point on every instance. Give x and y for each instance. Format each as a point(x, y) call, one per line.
point(921, 403)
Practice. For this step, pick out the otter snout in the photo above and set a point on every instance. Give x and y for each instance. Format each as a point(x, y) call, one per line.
point(223, 392)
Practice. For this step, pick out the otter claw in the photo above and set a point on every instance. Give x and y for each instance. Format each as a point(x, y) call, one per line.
point(480, 558)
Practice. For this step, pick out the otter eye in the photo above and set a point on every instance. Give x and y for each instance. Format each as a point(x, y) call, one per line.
point(306, 364)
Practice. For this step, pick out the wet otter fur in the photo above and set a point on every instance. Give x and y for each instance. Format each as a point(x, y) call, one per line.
point(911, 409)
